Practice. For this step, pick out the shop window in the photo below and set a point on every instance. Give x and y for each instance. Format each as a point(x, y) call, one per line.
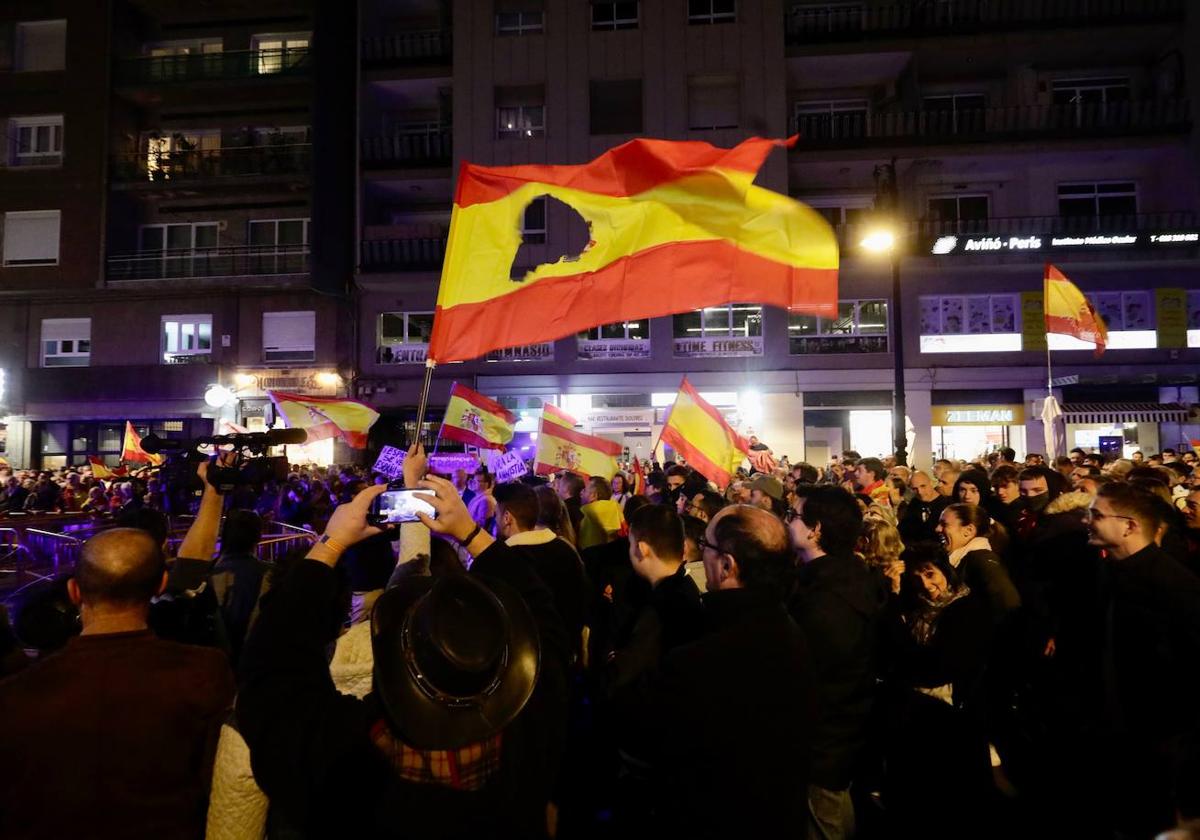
point(703, 12)
point(612, 16)
point(1123, 310)
point(66, 342)
point(734, 320)
point(836, 119)
point(969, 323)
point(36, 141)
point(713, 102)
point(289, 336)
point(861, 326)
point(619, 331)
point(186, 338)
point(31, 237)
point(615, 106)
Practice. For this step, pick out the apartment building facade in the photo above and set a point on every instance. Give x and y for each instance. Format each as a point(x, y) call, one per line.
point(991, 138)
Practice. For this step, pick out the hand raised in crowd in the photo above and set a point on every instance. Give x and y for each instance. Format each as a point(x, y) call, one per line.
point(416, 464)
point(347, 526)
point(452, 516)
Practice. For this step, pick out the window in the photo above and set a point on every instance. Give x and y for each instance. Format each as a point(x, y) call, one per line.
point(959, 213)
point(181, 250)
point(711, 11)
point(533, 222)
point(520, 112)
point(41, 46)
point(736, 319)
point(405, 327)
point(861, 326)
point(606, 16)
point(31, 237)
point(182, 153)
point(1122, 311)
point(616, 106)
point(186, 336)
point(277, 246)
point(831, 120)
point(1098, 204)
point(36, 141)
point(956, 113)
point(825, 18)
point(66, 342)
point(1083, 93)
point(619, 331)
point(969, 324)
point(841, 210)
point(181, 59)
point(277, 53)
point(519, 22)
point(289, 336)
point(713, 102)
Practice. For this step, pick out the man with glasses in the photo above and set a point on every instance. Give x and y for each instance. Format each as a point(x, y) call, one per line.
point(1149, 644)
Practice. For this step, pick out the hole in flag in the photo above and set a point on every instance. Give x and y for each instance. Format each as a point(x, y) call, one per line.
point(572, 236)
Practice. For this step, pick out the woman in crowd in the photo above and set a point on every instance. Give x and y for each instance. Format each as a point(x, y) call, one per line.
point(620, 489)
point(552, 513)
point(880, 546)
point(964, 531)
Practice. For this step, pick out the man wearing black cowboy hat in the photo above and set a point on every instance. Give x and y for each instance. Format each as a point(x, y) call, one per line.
point(464, 730)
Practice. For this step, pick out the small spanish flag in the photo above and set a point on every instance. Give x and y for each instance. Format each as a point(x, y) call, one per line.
point(698, 432)
point(562, 447)
point(675, 226)
point(324, 417)
point(475, 420)
point(131, 448)
point(99, 468)
point(639, 477)
point(1068, 312)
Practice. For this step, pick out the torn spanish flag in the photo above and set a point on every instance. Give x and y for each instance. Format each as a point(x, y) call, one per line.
point(674, 226)
point(1068, 312)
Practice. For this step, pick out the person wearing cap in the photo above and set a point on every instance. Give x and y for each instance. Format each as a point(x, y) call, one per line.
point(464, 730)
point(766, 492)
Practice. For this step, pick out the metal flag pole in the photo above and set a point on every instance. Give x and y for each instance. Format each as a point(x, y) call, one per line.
point(424, 402)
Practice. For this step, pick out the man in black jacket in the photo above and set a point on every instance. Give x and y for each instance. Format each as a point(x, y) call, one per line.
point(337, 766)
point(838, 603)
point(922, 511)
point(727, 720)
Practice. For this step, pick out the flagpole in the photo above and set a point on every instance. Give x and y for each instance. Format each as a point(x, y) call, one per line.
point(430, 364)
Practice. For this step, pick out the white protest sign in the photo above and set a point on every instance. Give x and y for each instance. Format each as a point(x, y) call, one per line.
point(390, 462)
point(509, 466)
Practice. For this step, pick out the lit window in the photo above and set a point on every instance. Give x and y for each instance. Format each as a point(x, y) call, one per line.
point(185, 337)
point(969, 323)
point(520, 121)
point(278, 53)
point(861, 326)
point(66, 342)
point(734, 320)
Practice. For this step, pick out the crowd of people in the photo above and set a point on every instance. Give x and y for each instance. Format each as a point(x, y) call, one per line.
point(986, 649)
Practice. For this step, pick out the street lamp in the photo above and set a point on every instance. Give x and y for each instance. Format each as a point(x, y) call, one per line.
point(883, 240)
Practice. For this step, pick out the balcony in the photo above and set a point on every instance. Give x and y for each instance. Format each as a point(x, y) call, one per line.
point(234, 261)
point(407, 49)
point(207, 164)
point(409, 254)
point(215, 67)
point(403, 149)
point(805, 25)
point(989, 125)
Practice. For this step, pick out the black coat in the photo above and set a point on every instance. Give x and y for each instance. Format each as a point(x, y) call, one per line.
point(838, 602)
point(727, 721)
point(671, 616)
point(920, 519)
point(310, 746)
point(985, 574)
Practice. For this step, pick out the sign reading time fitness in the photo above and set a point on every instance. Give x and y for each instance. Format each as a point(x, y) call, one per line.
point(985, 244)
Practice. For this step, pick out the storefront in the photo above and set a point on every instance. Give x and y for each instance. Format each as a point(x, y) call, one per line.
point(250, 408)
point(1131, 426)
point(967, 432)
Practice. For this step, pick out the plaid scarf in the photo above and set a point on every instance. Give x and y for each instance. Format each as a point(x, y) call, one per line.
point(466, 768)
point(923, 622)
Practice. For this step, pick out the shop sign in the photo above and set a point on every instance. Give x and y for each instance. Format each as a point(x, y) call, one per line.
point(403, 354)
point(703, 348)
point(1171, 308)
point(620, 418)
point(993, 243)
point(543, 352)
point(300, 381)
point(979, 415)
point(615, 349)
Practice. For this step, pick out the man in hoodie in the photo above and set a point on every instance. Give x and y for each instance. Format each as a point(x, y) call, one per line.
point(837, 603)
point(602, 518)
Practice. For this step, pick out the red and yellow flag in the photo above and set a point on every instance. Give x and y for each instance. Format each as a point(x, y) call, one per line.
point(131, 448)
point(561, 447)
point(698, 432)
point(325, 417)
point(99, 468)
point(1068, 312)
point(674, 226)
point(473, 419)
point(554, 414)
point(639, 477)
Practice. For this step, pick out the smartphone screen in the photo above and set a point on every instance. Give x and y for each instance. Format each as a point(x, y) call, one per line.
point(403, 505)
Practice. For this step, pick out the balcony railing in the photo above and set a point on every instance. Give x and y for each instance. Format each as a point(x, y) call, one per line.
point(238, 261)
point(814, 24)
point(221, 66)
point(202, 164)
point(993, 124)
point(415, 254)
point(405, 148)
point(430, 46)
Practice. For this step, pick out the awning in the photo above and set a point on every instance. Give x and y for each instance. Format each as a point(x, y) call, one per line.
point(1125, 412)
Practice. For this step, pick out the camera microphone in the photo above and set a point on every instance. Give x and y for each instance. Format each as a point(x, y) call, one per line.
point(284, 437)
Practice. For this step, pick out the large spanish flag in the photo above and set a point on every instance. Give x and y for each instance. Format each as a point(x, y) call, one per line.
point(473, 419)
point(325, 417)
point(1068, 312)
point(698, 432)
point(553, 414)
point(131, 448)
point(561, 448)
point(674, 226)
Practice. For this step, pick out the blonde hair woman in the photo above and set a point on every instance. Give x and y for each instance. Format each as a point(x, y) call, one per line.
point(880, 545)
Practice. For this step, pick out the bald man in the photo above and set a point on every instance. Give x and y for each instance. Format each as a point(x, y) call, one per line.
point(726, 722)
point(115, 716)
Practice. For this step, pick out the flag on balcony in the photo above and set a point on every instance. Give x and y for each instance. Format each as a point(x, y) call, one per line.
point(324, 417)
point(698, 432)
point(1068, 312)
point(473, 419)
point(674, 226)
point(561, 447)
point(131, 448)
